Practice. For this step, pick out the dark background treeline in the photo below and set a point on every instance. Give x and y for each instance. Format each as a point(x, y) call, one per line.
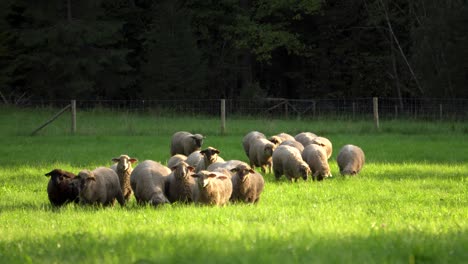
point(142, 49)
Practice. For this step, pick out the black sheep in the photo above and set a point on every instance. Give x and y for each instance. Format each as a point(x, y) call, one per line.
point(59, 189)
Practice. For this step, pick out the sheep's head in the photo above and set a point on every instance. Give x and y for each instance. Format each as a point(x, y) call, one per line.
point(124, 162)
point(210, 154)
point(275, 140)
point(57, 176)
point(83, 179)
point(198, 140)
point(348, 171)
point(268, 149)
point(182, 170)
point(205, 178)
point(304, 170)
point(323, 173)
point(243, 171)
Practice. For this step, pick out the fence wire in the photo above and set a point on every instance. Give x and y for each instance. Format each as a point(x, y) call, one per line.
point(388, 108)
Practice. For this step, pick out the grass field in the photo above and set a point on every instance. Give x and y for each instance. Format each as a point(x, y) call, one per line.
point(409, 204)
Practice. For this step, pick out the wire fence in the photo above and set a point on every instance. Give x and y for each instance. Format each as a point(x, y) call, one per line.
point(353, 108)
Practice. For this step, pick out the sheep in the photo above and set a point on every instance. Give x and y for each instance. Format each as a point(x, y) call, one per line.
point(123, 168)
point(194, 158)
point(185, 143)
point(225, 166)
point(247, 184)
point(277, 139)
point(99, 187)
point(59, 190)
point(247, 140)
point(176, 159)
point(148, 181)
point(180, 185)
point(215, 188)
point(305, 138)
point(210, 156)
point(260, 154)
point(316, 157)
point(325, 143)
point(350, 160)
point(293, 143)
point(287, 160)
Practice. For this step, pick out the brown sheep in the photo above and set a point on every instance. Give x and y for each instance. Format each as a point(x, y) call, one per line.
point(247, 184)
point(59, 190)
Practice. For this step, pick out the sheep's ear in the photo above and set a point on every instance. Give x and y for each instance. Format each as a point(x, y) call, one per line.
point(48, 174)
point(212, 175)
point(190, 168)
point(216, 151)
point(173, 168)
point(223, 177)
point(251, 171)
point(195, 175)
point(133, 160)
point(115, 159)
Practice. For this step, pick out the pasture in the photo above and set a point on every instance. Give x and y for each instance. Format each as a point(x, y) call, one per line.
point(408, 205)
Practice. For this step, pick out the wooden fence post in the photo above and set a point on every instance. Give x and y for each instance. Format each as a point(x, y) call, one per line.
point(73, 116)
point(223, 116)
point(376, 111)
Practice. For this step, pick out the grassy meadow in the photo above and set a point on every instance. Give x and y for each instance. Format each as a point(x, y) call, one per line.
point(408, 205)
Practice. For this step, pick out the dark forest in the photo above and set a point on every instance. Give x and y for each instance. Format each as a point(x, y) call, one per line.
point(202, 49)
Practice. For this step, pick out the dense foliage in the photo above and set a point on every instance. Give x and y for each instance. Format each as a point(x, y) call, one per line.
point(232, 49)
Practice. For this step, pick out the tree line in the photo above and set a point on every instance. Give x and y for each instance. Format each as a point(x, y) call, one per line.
point(194, 49)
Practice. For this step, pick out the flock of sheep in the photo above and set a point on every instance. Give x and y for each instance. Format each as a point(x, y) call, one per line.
point(200, 176)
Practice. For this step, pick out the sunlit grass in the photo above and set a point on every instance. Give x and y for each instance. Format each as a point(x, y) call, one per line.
point(409, 204)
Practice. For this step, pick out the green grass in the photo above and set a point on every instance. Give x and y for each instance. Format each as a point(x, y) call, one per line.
point(409, 204)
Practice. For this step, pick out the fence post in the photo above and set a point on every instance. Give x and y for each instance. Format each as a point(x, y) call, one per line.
point(73, 116)
point(223, 116)
point(376, 111)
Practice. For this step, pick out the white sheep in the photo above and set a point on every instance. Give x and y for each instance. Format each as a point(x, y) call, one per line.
point(287, 160)
point(293, 143)
point(247, 184)
point(249, 138)
point(185, 143)
point(305, 138)
point(277, 139)
point(99, 187)
point(215, 187)
point(260, 154)
point(148, 181)
point(181, 186)
point(325, 143)
point(350, 160)
point(210, 156)
point(194, 158)
point(174, 160)
point(123, 168)
point(316, 157)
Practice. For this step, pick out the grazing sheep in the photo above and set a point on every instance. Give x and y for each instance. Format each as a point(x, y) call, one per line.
point(215, 187)
point(325, 143)
point(350, 160)
point(316, 157)
point(176, 159)
point(148, 181)
point(59, 189)
point(247, 184)
point(194, 158)
point(180, 185)
point(277, 139)
point(225, 166)
point(287, 160)
point(185, 143)
point(210, 156)
point(247, 140)
point(100, 186)
point(293, 143)
point(305, 138)
point(123, 168)
point(260, 153)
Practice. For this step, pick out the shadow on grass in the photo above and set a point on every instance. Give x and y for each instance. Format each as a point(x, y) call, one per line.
point(196, 247)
